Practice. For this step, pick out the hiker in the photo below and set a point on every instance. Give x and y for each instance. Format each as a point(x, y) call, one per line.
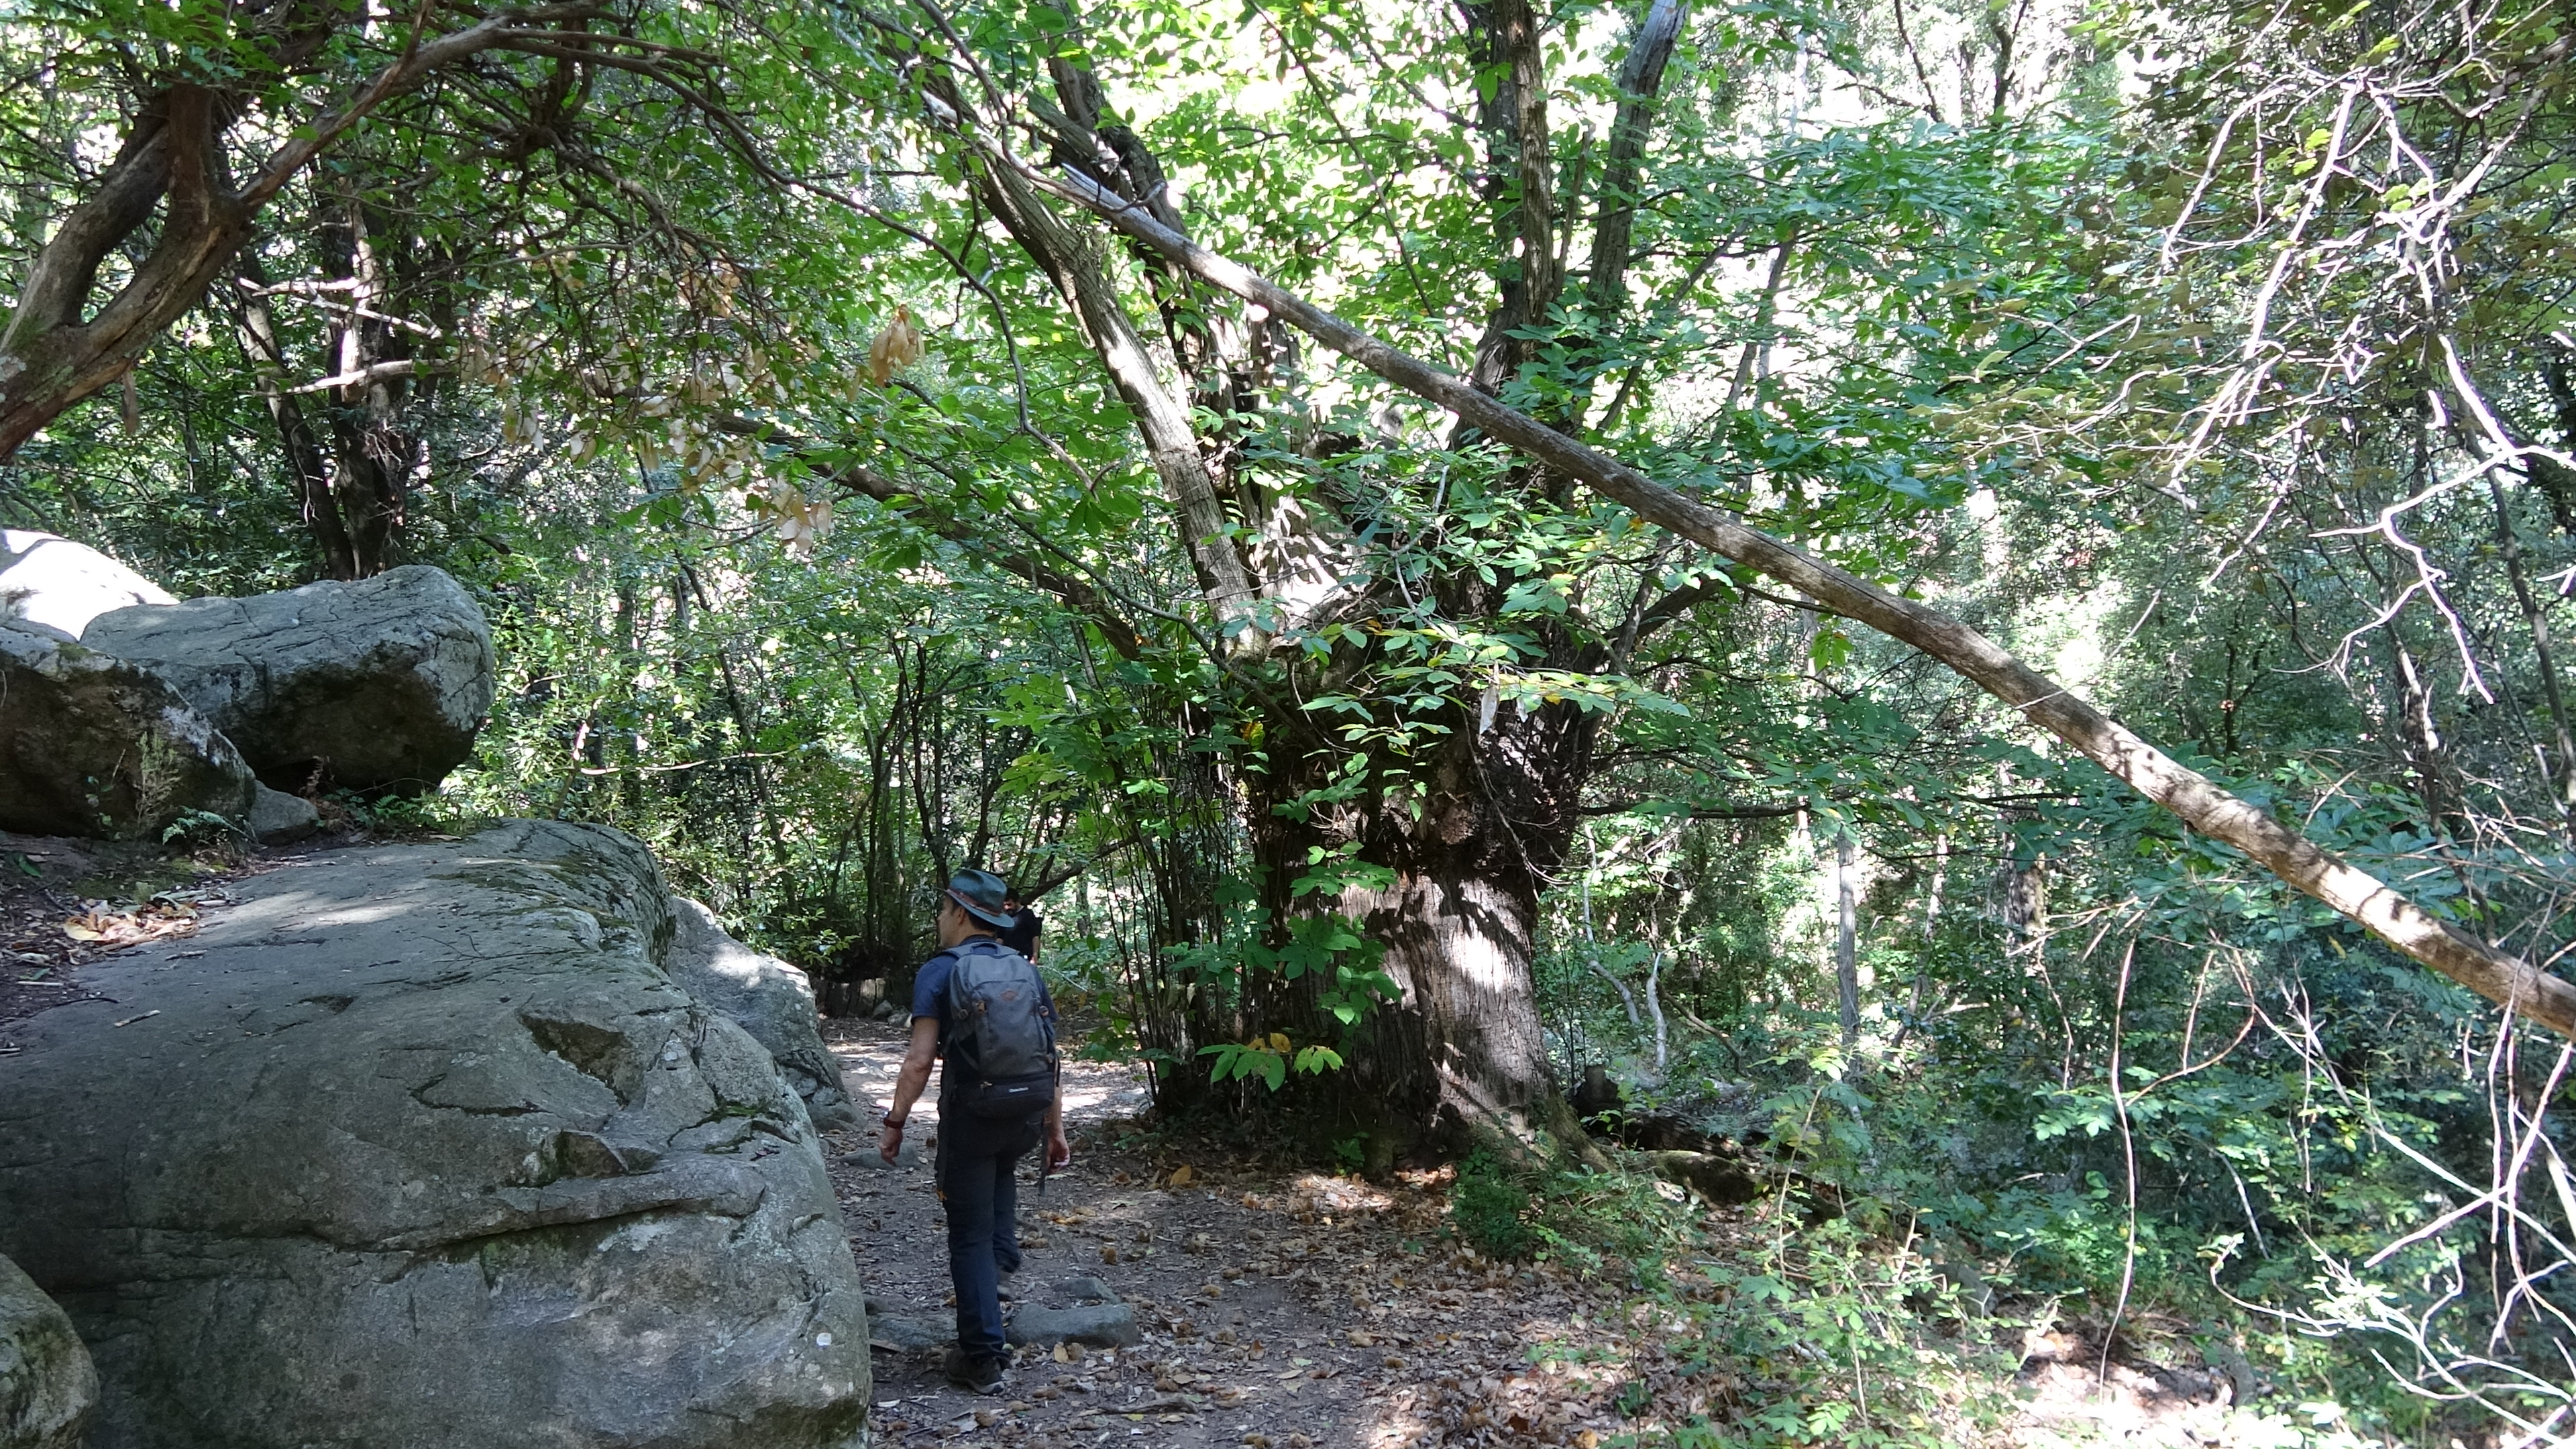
point(1021, 934)
point(983, 1008)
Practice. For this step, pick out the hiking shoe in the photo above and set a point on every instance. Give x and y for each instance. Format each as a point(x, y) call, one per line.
point(974, 1375)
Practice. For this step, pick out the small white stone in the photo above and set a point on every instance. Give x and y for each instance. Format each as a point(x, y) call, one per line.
point(822, 1340)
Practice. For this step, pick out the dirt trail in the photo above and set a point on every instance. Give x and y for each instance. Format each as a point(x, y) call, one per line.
point(1279, 1312)
point(1290, 1310)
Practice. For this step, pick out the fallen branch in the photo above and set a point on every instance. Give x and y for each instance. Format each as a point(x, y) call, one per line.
point(2199, 801)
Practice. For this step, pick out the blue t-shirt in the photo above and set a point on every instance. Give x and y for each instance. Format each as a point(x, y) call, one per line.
point(930, 984)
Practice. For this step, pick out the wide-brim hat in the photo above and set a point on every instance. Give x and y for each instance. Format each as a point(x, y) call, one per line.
point(979, 894)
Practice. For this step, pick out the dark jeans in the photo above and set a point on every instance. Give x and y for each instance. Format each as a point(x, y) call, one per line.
point(982, 1197)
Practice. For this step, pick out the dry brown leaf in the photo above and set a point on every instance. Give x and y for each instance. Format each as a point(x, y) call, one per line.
point(896, 348)
point(1181, 1175)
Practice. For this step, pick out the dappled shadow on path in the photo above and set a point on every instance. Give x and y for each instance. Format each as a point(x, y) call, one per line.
point(1285, 1309)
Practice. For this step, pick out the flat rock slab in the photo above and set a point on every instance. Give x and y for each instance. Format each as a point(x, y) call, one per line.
point(377, 685)
point(1088, 1290)
point(47, 1387)
point(420, 1147)
point(1108, 1325)
point(902, 1334)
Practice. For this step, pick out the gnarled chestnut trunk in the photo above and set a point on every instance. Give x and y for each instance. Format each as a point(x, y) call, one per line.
point(1458, 1062)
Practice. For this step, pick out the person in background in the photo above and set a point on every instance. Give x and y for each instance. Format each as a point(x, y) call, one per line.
point(1021, 934)
point(985, 1011)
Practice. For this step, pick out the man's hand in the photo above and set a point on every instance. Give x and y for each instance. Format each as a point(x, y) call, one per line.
point(1059, 1152)
point(892, 1143)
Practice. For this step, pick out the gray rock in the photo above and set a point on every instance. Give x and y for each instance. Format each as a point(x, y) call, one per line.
point(420, 1148)
point(766, 997)
point(885, 1011)
point(1090, 1290)
point(377, 685)
point(59, 586)
point(1107, 1325)
point(47, 1387)
point(92, 745)
point(278, 816)
point(911, 1335)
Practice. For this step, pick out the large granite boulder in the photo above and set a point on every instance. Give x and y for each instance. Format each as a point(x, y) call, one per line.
point(377, 685)
point(59, 586)
point(47, 1387)
point(93, 745)
point(766, 997)
point(420, 1147)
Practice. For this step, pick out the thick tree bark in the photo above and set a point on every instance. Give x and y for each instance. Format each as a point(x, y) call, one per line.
point(1519, 185)
point(1459, 1060)
point(1641, 80)
point(2197, 800)
point(378, 455)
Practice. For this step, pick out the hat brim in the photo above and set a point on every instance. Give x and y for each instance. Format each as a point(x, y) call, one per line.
point(998, 923)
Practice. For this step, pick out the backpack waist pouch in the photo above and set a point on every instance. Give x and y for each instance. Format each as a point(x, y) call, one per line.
point(1013, 1099)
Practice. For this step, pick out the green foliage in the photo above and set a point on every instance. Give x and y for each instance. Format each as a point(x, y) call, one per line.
point(2215, 361)
point(1489, 1206)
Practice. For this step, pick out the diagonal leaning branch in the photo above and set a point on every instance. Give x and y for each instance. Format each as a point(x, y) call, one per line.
point(2199, 801)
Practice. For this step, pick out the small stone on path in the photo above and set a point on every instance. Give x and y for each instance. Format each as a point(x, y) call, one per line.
point(1108, 1325)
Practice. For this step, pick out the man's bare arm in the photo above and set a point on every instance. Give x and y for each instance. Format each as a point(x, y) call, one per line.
point(909, 1082)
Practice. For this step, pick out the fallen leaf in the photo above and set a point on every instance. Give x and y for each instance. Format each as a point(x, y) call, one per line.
point(1061, 1356)
point(1181, 1175)
point(1587, 1440)
point(1109, 1252)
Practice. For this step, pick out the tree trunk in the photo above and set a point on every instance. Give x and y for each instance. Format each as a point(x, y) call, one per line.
point(1458, 1062)
point(1846, 941)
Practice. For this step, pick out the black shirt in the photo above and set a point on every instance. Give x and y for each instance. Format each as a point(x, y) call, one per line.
point(1022, 934)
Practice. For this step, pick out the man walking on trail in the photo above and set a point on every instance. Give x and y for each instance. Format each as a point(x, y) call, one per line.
point(1021, 934)
point(983, 1008)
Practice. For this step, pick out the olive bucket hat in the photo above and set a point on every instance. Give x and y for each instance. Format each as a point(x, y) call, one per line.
point(979, 894)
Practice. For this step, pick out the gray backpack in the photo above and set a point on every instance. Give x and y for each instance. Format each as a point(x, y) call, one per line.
point(1000, 1045)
